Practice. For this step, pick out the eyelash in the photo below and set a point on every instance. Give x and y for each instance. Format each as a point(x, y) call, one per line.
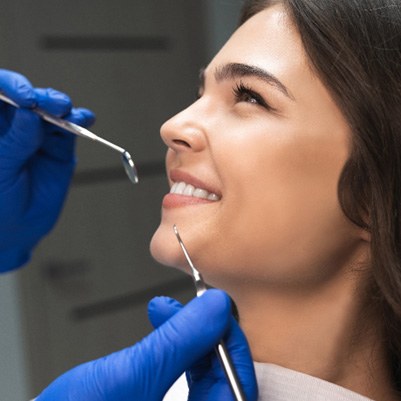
point(240, 91)
point(244, 93)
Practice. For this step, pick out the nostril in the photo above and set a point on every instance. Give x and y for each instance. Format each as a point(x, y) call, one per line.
point(181, 143)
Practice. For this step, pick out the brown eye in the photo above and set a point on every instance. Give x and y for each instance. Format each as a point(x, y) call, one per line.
point(245, 94)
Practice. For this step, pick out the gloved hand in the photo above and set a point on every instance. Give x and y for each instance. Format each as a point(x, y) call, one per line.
point(206, 379)
point(36, 165)
point(147, 370)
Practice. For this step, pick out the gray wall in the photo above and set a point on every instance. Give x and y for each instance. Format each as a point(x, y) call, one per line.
point(221, 22)
point(13, 367)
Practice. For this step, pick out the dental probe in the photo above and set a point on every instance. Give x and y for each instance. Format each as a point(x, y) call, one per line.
point(126, 158)
point(221, 349)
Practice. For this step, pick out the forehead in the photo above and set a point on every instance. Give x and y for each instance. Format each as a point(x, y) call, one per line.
point(267, 40)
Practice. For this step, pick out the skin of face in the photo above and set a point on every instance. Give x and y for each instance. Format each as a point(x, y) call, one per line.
point(273, 154)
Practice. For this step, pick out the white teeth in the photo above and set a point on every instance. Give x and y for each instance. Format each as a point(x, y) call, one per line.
point(200, 193)
point(189, 190)
point(213, 197)
point(181, 188)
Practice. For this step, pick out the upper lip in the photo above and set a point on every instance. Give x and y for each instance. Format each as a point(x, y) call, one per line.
point(182, 176)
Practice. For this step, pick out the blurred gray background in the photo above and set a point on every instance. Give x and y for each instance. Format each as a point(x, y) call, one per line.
point(135, 63)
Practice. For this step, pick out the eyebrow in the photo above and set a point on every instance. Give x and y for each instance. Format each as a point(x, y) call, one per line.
point(239, 70)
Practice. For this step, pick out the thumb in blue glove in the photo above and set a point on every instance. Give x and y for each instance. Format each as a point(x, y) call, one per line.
point(206, 380)
point(36, 165)
point(147, 370)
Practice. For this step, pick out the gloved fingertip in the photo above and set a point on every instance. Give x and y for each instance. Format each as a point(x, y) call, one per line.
point(87, 116)
point(17, 87)
point(207, 316)
point(163, 300)
point(213, 309)
point(215, 296)
point(160, 309)
point(53, 101)
point(26, 96)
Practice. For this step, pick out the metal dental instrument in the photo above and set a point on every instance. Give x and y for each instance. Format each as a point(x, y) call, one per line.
point(126, 159)
point(221, 350)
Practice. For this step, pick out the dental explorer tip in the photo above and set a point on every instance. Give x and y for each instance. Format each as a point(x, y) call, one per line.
point(177, 234)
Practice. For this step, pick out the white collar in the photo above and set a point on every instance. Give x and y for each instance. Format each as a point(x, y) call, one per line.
point(280, 384)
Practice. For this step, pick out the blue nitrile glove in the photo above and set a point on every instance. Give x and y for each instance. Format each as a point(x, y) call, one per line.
point(206, 379)
point(148, 369)
point(36, 165)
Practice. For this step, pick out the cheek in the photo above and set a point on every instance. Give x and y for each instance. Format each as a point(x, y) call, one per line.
point(281, 217)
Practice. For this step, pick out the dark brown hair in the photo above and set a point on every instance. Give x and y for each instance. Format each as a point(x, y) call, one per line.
point(355, 48)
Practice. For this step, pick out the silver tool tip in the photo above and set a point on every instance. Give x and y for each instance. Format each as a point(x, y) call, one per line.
point(177, 234)
point(129, 166)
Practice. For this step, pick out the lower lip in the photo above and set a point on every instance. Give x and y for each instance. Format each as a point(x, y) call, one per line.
point(172, 201)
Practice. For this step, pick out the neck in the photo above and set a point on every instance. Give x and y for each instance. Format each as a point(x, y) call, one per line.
point(327, 332)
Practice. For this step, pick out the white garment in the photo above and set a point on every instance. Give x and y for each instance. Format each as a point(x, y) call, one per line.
point(280, 384)
point(178, 391)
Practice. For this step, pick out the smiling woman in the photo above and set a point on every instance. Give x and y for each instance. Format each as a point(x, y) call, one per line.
point(285, 180)
point(285, 184)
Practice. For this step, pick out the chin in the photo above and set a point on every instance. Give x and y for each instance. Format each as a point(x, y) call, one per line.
point(165, 249)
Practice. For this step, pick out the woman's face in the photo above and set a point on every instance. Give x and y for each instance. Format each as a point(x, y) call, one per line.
point(265, 144)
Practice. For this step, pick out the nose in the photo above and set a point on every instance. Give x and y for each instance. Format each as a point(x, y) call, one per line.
point(184, 131)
